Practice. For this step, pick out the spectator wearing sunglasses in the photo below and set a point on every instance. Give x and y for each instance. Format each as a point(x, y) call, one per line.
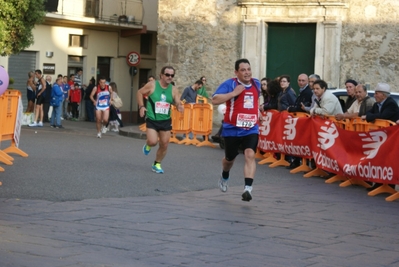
point(202, 90)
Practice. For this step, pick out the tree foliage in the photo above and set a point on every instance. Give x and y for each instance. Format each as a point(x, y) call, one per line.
point(17, 20)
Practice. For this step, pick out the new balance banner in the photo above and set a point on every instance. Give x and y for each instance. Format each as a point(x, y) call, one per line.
point(282, 133)
point(369, 156)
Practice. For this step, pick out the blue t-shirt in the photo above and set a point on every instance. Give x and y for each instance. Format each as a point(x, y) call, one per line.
point(228, 129)
point(66, 89)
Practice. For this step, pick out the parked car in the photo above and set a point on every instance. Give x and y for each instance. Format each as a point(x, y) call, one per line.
point(343, 95)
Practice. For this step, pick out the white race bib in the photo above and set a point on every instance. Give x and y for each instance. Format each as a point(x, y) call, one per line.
point(246, 120)
point(162, 108)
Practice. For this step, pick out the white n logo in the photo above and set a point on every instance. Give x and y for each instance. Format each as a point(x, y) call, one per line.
point(264, 127)
point(373, 144)
point(290, 130)
point(327, 138)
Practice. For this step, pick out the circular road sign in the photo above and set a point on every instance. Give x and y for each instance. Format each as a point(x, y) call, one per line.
point(133, 58)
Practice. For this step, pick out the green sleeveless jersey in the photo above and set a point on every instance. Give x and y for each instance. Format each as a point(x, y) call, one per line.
point(159, 102)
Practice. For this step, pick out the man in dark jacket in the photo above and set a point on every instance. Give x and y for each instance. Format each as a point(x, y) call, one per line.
point(305, 94)
point(385, 106)
point(305, 98)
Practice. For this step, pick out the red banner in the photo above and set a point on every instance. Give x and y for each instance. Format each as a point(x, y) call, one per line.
point(370, 156)
point(282, 133)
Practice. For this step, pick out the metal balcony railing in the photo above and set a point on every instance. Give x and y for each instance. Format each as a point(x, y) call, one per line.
point(117, 11)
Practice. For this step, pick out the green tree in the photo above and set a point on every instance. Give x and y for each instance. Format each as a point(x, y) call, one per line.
point(17, 19)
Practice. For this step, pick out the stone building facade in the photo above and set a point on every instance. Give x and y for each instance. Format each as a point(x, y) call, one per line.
point(354, 38)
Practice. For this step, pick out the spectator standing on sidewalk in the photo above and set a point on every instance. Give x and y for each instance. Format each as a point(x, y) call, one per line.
point(240, 124)
point(76, 97)
point(89, 104)
point(65, 102)
point(56, 103)
point(114, 119)
point(47, 97)
point(40, 88)
point(31, 92)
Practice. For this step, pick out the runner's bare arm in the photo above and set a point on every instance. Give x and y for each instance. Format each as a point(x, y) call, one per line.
point(147, 89)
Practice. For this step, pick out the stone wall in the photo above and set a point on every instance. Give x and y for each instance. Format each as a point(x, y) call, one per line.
point(204, 37)
point(199, 38)
point(370, 43)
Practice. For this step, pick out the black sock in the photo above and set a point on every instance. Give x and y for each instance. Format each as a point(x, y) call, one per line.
point(155, 162)
point(225, 175)
point(248, 181)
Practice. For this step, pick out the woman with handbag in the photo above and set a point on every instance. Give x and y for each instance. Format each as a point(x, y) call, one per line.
point(116, 104)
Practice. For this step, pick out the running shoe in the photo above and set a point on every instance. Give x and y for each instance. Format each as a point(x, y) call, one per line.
point(157, 168)
point(247, 196)
point(146, 149)
point(40, 124)
point(223, 184)
point(33, 124)
point(98, 135)
point(104, 129)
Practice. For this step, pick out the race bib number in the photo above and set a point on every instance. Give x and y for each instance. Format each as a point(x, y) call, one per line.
point(103, 100)
point(246, 120)
point(248, 101)
point(162, 108)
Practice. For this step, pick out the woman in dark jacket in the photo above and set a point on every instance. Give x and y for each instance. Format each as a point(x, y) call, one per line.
point(273, 90)
point(287, 95)
point(89, 104)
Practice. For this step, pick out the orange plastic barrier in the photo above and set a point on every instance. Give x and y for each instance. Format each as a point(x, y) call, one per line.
point(9, 121)
point(360, 125)
point(181, 123)
point(201, 124)
point(8, 118)
point(143, 127)
point(3, 156)
point(197, 119)
point(201, 99)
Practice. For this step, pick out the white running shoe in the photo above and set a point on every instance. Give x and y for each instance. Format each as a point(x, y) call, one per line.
point(33, 124)
point(40, 124)
point(247, 196)
point(104, 129)
point(98, 135)
point(223, 184)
